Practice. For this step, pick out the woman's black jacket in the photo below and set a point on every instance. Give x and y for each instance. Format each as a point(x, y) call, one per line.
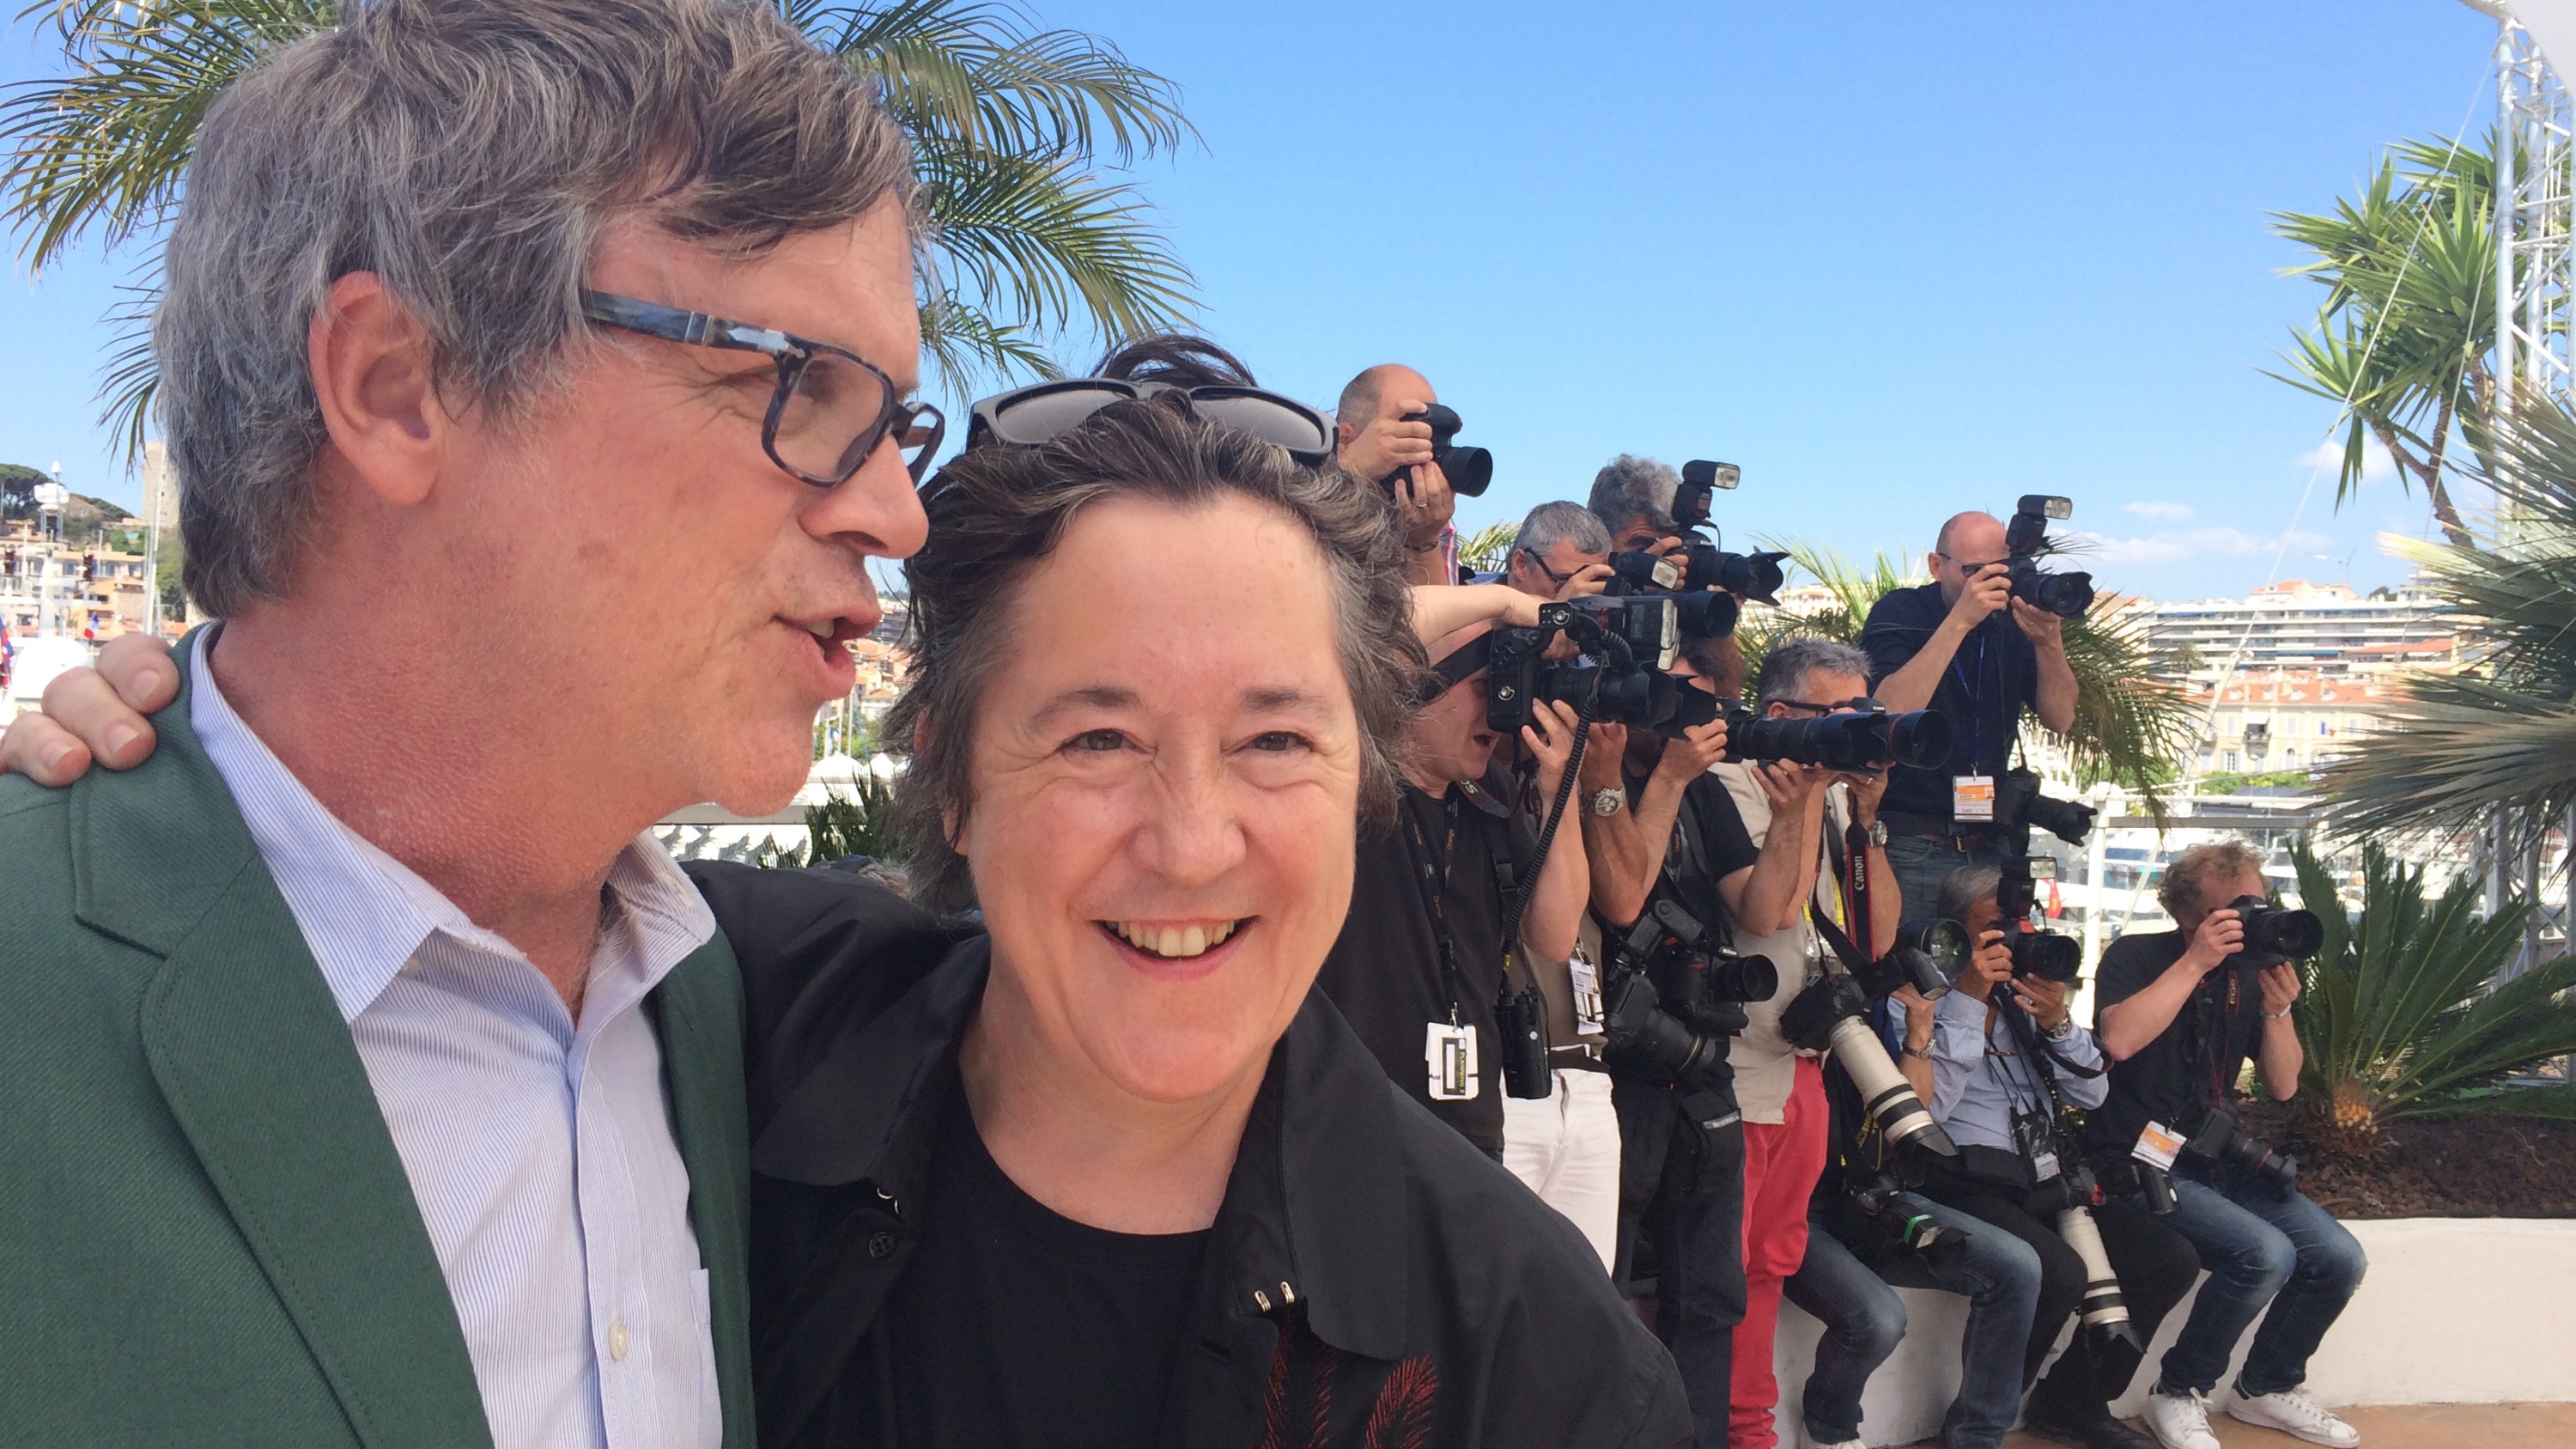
point(1372, 1280)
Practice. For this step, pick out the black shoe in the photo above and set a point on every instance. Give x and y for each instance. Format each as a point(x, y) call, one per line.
point(2096, 1431)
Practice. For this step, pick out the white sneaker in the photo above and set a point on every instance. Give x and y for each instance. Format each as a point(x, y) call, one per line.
point(2180, 1421)
point(1812, 1442)
point(2292, 1412)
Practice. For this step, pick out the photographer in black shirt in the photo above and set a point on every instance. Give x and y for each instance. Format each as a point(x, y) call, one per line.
point(2180, 1013)
point(1965, 646)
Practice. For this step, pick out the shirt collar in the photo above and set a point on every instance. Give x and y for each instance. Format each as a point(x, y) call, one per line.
point(363, 913)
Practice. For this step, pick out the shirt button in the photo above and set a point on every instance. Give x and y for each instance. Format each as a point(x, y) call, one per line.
point(881, 1245)
point(617, 1340)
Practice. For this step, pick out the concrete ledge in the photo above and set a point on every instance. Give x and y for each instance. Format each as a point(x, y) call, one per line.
point(2453, 1311)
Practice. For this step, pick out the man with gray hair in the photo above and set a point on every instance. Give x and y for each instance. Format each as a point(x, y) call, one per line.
point(394, 1074)
point(1633, 498)
point(1561, 552)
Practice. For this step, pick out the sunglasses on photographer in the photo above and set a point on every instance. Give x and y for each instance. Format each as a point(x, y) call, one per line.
point(1030, 416)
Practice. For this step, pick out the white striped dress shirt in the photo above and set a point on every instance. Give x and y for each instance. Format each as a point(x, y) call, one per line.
point(539, 1148)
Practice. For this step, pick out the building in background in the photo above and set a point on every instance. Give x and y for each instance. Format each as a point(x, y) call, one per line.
point(2325, 629)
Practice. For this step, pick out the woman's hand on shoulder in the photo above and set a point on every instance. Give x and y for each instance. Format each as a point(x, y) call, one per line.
point(94, 715)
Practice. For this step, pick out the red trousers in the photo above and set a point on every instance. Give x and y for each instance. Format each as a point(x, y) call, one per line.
point(1781, 1165)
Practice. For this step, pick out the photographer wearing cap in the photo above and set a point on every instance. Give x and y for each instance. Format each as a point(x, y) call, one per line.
point(2001, 1101)
point(1419, 964)
point(1964, 645)
point(1380, 434)
point(2180, 1013)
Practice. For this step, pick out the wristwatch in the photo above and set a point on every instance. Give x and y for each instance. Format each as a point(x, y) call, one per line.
point(1878, 833)
point(1606, 802)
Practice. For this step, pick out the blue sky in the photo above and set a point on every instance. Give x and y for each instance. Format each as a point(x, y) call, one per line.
point(1894, 260)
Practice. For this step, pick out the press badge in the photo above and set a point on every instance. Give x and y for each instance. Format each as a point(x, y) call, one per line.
point(1587, 993)
point(2157, 1146)
point(1972, 797)
point(2043, 1165)
point(1450, 1054)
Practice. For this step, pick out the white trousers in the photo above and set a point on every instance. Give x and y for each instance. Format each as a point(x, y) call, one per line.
point(1565, 1146)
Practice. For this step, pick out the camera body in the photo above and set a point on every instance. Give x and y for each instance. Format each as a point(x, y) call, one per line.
point(1904, 1221)
point(1625, 644)
point(1470, 471)
point(2217, 1141)
point(1675, 997)
point(1870, 739)
point(2019, 805)
point(2067, 595)
point(2274, 934)
point(2044, 954)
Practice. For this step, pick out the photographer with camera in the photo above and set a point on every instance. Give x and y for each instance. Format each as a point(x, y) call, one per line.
point(1390, 431)
point(1974, 645)
point(1804, 813)
point(1561, 552)
point(1420, 966)
point(2180, 1013)
point(2006, 1060)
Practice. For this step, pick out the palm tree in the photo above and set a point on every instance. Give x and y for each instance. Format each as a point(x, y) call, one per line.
point(2402, 341)
point(2503, 734)
point(2407, 1011)
point(2129, 728)
point(1025, 239)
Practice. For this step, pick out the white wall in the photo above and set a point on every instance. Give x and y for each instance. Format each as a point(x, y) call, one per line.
point(2453, 1311)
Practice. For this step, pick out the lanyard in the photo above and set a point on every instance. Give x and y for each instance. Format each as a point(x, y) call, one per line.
point(1968, 688)
point(1434, 885)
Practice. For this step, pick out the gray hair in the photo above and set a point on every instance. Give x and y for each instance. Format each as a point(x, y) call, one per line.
point(2190, 873)
point(1963, 888)
point(1550, 524)
point(1634, 487)
point(468, 152)
point(997, 513)
point(1786, 667)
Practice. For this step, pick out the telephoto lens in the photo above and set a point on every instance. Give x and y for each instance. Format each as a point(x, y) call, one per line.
point(2046, 955)
point(1608, 696)
point(1833, 1016)
point(2275, 931)
point(1863, 740)
point(1754, 575)
point(1943, 945)
point(2104, 1313)
point(1640, 1036)
point(2066, 595)
point(1742, 978)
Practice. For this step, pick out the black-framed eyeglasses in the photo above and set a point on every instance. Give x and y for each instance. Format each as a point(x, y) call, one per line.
point(1559, 580)
point(831, 408)
point(1863, 703)
point(1039, 413)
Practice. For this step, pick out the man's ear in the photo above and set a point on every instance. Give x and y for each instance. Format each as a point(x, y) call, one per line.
point(375, 375)
point(948, 814)
point(1342, 434)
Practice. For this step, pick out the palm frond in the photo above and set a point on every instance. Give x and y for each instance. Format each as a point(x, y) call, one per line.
point(966, 347)
point(1050, 244)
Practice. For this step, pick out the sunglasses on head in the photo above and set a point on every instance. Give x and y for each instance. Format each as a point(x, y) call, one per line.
point(1030, 416)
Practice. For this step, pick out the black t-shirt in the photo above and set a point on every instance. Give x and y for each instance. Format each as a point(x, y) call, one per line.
point(2194, 1062)
point(1992, 678)
point(1710, 843)
point(1384, 972)
point(1013, 1325)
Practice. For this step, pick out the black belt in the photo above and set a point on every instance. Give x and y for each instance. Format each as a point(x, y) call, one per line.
point(1934, 827)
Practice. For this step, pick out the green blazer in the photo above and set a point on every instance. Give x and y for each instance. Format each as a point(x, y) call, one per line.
point(206, 1237)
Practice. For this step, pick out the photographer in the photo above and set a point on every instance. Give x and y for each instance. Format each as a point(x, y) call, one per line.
point(1377, 433)
point(1566, 1145)
point(1633, 498)
point(2181, 1012)
point(2000, 1103)
point(1801, 813)
point(1420, 959)
point(1964, 645)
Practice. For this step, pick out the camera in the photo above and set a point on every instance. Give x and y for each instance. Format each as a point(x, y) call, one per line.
point(1906, 1221)
point(1754, 575)
point(2219, 1141)
point(2103, 1315)
point(2067, 595)
point(1863, 740)
point(1833, 1016)
point(2044, 954)
point(2274, 934)
point(1676, 998)
point(1700, 481)
point(2019, 806)
point(1470, 471)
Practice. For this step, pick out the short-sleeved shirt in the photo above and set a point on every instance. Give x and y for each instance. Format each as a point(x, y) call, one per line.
point(1709, 844)
point(2196, 1061)
point(1992, 678)
point(1384, 970)
point(1765, 1064)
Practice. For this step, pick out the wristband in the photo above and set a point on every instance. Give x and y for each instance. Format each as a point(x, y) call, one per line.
point(2276, 1015)
point(1923, 1054)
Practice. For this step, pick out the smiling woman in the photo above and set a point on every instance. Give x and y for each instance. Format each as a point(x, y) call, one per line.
point(1109, 1171)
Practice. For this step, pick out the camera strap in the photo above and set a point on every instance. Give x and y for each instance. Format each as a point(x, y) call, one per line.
point(1432, 880)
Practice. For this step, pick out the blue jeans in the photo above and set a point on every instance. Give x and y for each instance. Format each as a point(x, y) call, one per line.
point(1921, 865)
point(1864, 1319)
point(2259, 1248)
